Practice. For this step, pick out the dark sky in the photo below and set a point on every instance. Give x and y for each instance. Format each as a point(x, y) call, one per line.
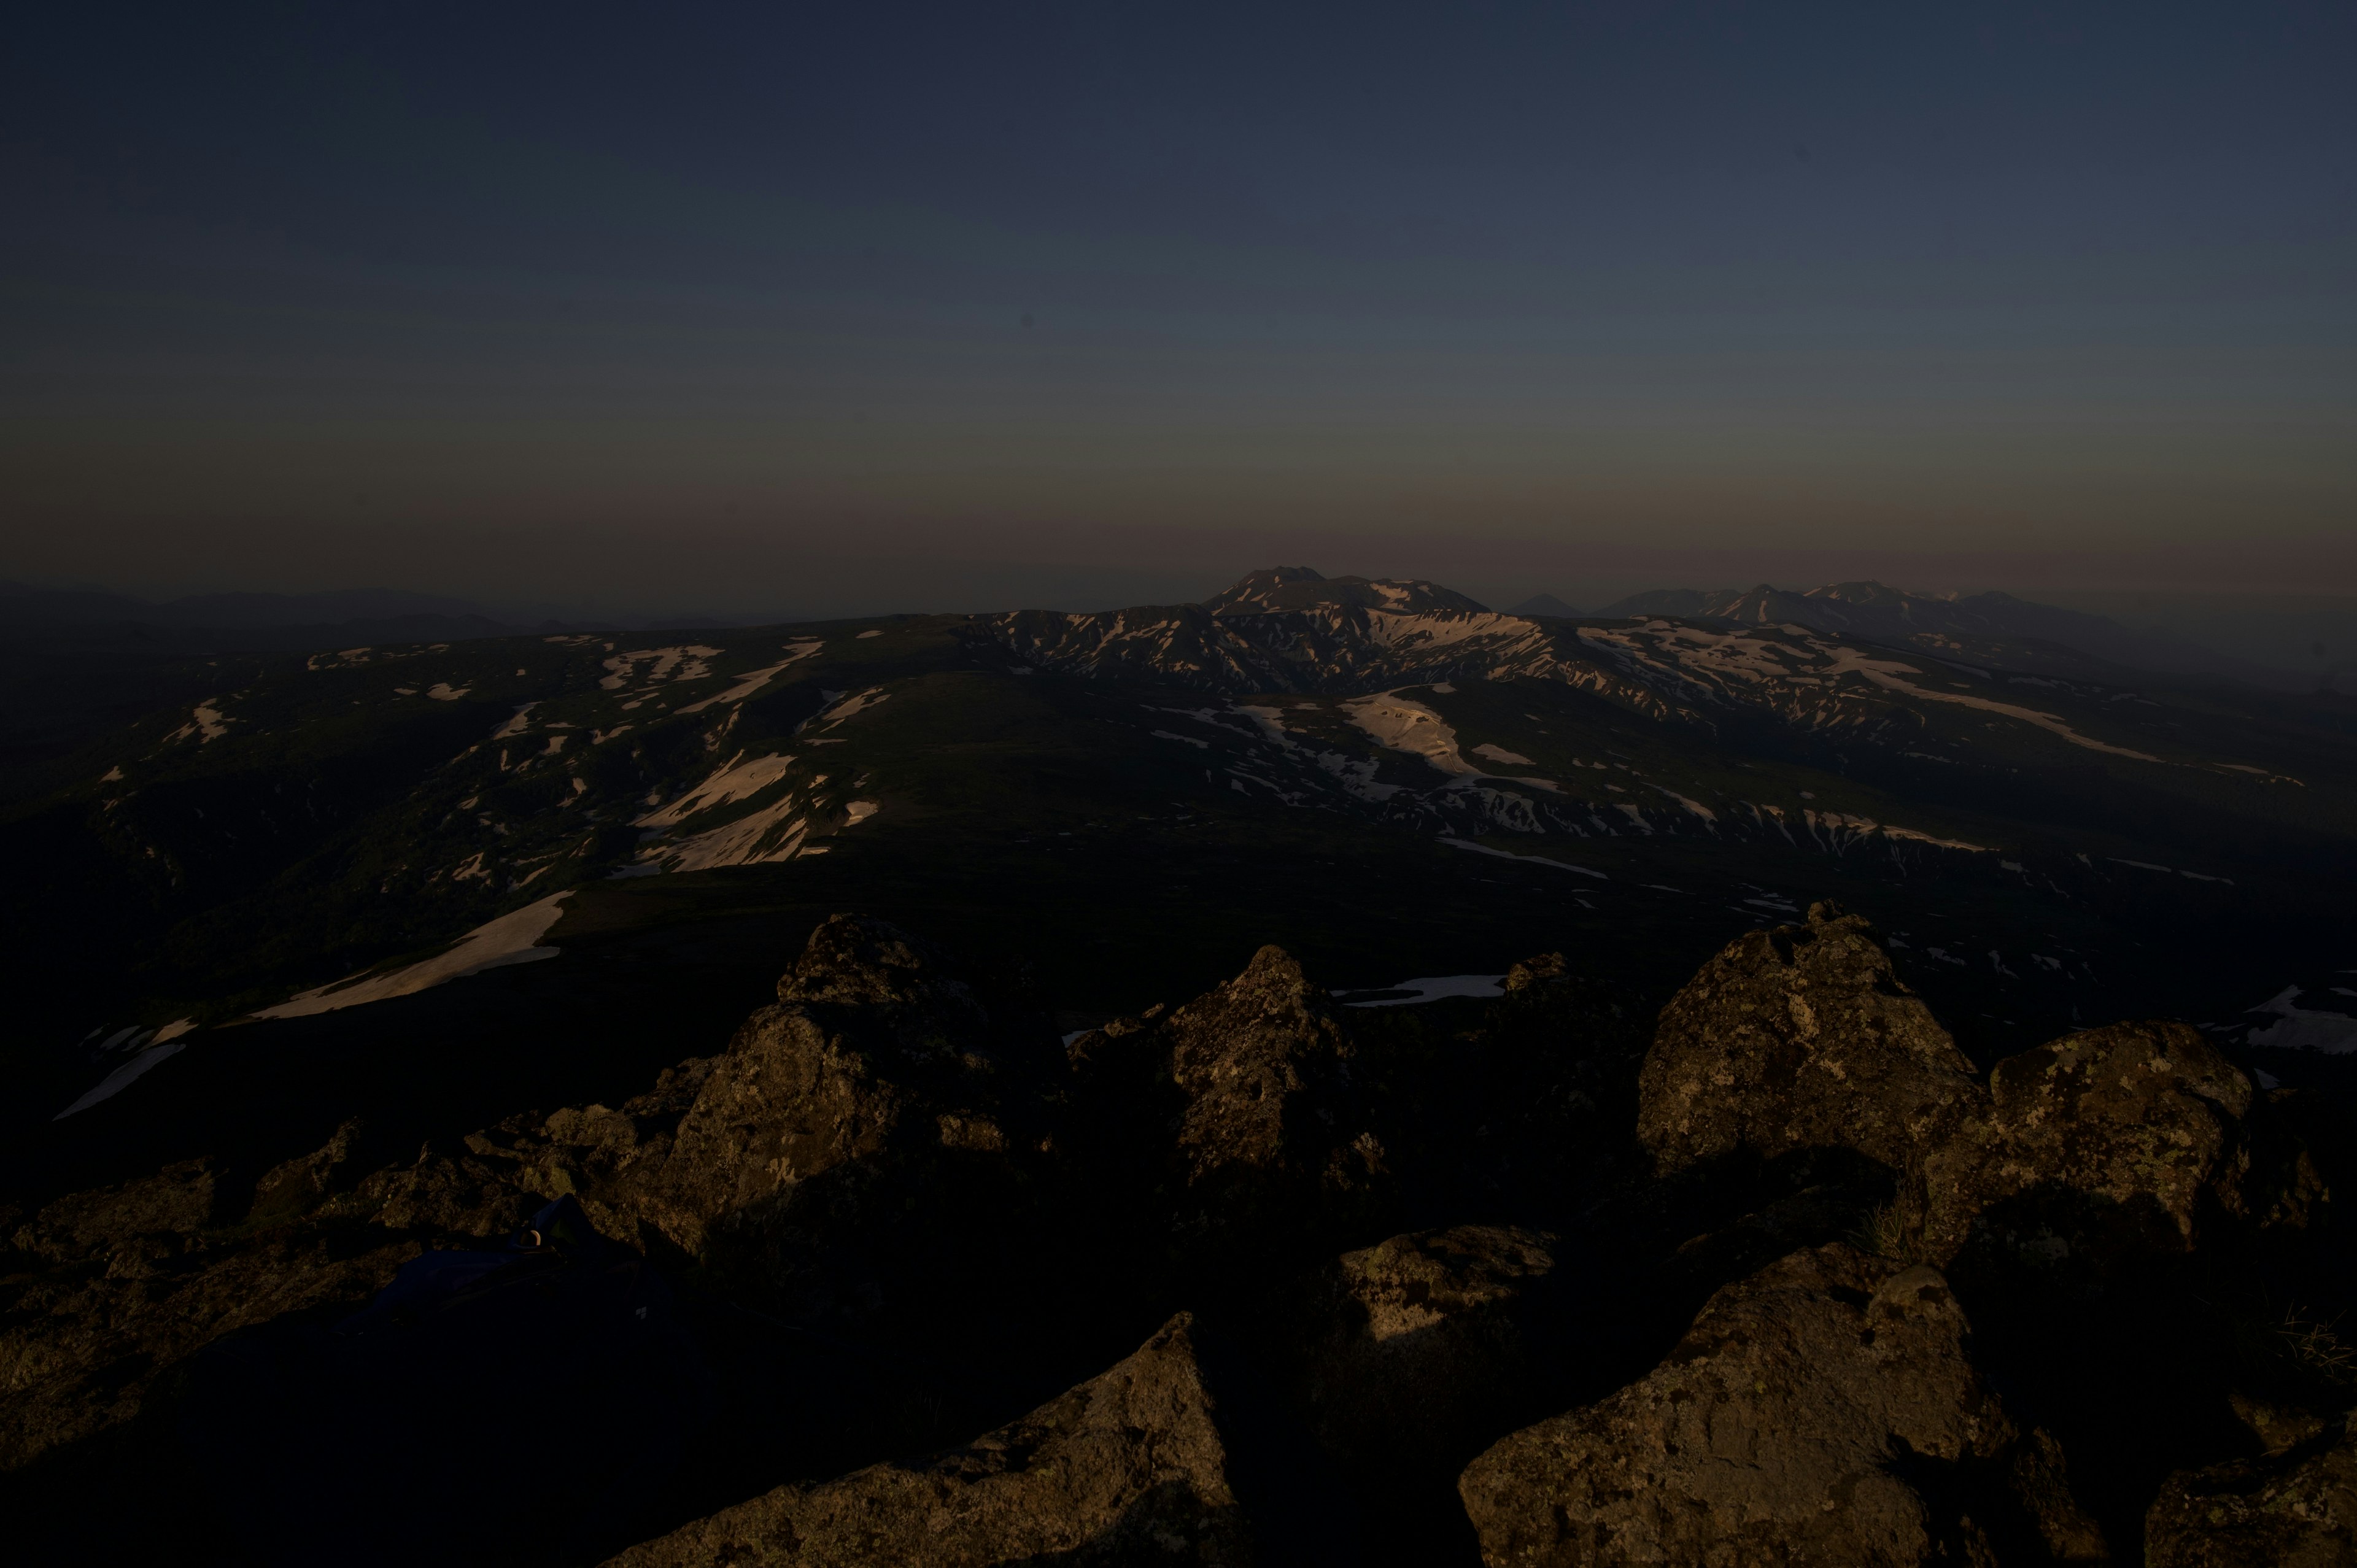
point(856, 306)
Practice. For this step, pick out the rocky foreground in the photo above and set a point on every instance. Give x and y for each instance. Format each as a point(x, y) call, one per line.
point(900, 1278)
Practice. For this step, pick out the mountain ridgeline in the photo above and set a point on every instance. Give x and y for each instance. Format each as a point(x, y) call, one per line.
point(319, 832)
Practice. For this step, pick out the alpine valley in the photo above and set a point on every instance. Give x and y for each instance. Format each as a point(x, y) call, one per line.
point(1374, 924)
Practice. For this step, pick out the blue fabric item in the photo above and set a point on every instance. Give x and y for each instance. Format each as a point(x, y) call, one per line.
point(431, 1280)
point(523, 1404)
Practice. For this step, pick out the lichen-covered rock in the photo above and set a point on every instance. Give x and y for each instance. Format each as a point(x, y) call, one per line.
point(1825, 1411)
point(1274, 1121)
point(871, 1044)
point(608, 1158)
point(1130, 1466)
point(108, 1290)
point(1423, 1343)
point(1799, 1038)
point(2116, 1143)
point(2296, 1509)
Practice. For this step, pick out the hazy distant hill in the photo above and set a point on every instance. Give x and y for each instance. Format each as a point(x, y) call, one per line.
point(1889, 615)
point(1544, 605)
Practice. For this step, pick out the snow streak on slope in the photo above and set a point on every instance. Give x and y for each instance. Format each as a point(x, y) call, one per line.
point(513, 937)
point(753, 680)
point(733, 781)
point(1886, 672)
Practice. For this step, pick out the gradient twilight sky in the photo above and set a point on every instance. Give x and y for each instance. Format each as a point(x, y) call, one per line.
point(871, 307)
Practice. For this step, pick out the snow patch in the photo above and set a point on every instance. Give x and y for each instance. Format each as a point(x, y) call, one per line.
point(735, 780)
point(1431, 988)
point(2301, 1028)
point(121, 1077)
point(513, 937)
point(1526, 859)
point(1405, 724)
point(754, 680)
point(683, 663)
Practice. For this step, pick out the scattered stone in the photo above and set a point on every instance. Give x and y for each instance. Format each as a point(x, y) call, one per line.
point(1130, 1466)
point(1799, 1038)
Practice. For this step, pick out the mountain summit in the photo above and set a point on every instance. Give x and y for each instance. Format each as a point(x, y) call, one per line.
point(1299, 588)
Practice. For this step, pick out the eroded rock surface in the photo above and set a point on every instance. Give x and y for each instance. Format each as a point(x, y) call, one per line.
point(2296, 1509)
point(1799, 1038)
point(1825, 1411)
point(1130, 1466)
point(1424, 1344)
point(2116, 1144)
point(109, 1290)
point(1274, 1126)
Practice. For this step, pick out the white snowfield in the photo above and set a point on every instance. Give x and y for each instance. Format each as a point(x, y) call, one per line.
point(2302, 1028)
point(513, 937)
point(735, 779)
point(775, 833)
point(1406, 725)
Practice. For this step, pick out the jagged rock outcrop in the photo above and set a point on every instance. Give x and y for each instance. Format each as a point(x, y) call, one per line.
point(605, 1157)
point(874, 1069)
point(1424, 1348)
point(1130, 1466)
point(1799, 1038)
point(1274, 1130)
point(873, 1051)
point(2289, 1509)
point(1825, 1411)
point(110, 1289)
point(2119, 1142)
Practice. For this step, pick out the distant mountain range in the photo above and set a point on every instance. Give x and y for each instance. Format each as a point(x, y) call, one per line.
point(245, 622)
point(1887, 615)
point(263, 622)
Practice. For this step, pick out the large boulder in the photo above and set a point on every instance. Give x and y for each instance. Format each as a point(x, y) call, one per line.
point(871, 1047)
point(1825, 1411)
point(1130, 1466)
point(2116, 1144)
point(1423, 1343)
point(1274, 1131)
point(852, 1152)
point(2293, 1509)
point(1795, 1038)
